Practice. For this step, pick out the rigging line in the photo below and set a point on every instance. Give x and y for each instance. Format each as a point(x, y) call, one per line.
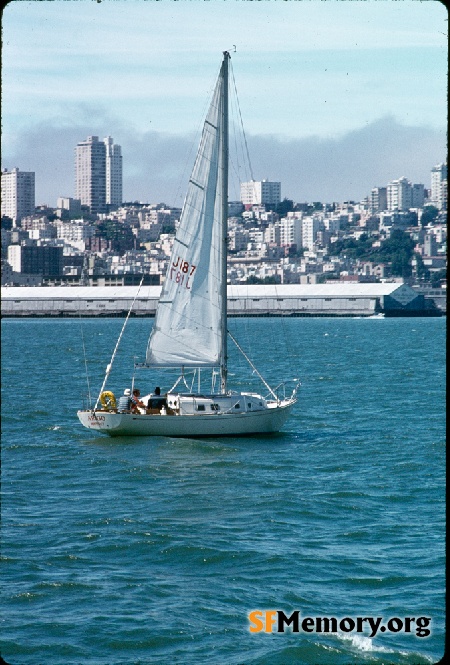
point(84, 354)
point(239, 156)
point(109, 366)
point(238, 146)
point(242, 124)
point(253, 366)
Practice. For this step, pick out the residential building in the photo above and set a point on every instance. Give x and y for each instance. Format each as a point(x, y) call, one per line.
point(439, 186)
point(378, 199)
point(18, 194)
point(36, 259)
point(113, 165)
point(310, 227)
point(417, 196)
point(238, 239)
point(403, 195)
point(68, 207)
point(261, 192)
point(272, 233)
point(74, 231)
point(90, 166)
point(332, 224)
point(98, 167)
point(291, 231)
point(430, 245)
point(399, 194)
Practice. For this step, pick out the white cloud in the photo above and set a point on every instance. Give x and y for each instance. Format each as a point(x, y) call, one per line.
point(157, 166)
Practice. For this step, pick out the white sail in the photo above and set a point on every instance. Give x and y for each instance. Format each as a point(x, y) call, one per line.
point(187, 328)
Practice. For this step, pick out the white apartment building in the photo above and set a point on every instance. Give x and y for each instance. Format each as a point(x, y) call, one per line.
point(113, 172)
point(71, 206)
point(72, 231)
point(256, 235)
point(402, 195)
point(34, 223)
point(90, 169)
point(165, 216)
point(332, 224)
point(378, 199)
point(399, 194)
point(310, 228)
point(98, 173)
point(439, 186)
point(291, 231)
point(272, 234)
point(263, 192)
point(15, 257)
point(18, 194)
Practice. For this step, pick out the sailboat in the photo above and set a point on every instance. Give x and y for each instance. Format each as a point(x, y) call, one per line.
point(190, 327)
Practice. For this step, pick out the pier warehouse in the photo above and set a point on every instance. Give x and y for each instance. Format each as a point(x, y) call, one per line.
point(340, 299)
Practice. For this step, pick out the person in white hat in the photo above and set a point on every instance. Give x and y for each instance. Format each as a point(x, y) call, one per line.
point(125, 401)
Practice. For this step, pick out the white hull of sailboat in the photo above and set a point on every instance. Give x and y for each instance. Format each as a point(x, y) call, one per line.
point(268, 420)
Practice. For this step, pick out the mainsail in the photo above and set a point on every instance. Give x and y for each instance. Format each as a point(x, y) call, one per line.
point(188, 328)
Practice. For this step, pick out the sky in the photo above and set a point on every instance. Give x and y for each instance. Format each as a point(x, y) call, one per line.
point(336, 96)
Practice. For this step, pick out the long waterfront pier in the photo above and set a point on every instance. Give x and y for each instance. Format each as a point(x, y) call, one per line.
point(340, 299)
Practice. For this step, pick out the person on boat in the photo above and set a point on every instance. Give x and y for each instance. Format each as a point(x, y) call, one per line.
point(124, 401)
point(156, 401)
point(136, 402)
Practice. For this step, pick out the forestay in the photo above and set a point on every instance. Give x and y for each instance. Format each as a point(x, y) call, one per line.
point(187, 328)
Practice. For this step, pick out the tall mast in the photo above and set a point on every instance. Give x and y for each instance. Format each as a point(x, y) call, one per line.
point(224, 160)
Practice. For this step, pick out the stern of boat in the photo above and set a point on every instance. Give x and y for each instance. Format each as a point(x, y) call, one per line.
point(101, 421)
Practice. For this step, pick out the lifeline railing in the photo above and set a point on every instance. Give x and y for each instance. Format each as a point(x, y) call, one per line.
point(282, 387)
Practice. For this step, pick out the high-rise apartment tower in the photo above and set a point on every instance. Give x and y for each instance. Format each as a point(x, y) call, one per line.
point(18, 194)
point(113, 172)
point(439, 186)
point(98, 167)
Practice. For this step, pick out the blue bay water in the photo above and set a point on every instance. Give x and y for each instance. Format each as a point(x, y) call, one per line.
point(135, 550)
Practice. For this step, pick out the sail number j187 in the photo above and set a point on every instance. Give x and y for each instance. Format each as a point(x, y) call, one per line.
point(181, 272)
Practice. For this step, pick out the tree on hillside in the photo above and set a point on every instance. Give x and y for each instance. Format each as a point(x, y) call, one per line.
point(437, 277)
point(284, 207)
point(357, 249)
point(429, 214)
point(7, 222)
point(399, 250)
point(421, 271)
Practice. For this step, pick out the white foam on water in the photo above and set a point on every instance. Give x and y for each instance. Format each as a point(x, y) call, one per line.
point(360, 642)
point(364, 643)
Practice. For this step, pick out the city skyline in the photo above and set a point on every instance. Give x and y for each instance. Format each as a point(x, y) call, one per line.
point(396, 195)
point(336, 97)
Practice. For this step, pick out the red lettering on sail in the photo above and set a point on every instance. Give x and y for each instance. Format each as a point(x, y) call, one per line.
point(181, 272)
